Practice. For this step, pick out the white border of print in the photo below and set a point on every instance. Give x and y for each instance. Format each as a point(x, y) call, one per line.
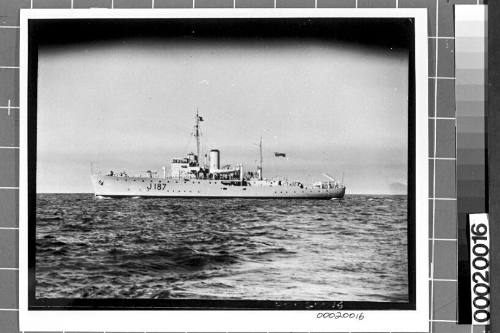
point(233, 321)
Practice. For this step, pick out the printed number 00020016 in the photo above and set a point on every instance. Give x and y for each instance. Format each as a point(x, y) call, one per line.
point(481, 277)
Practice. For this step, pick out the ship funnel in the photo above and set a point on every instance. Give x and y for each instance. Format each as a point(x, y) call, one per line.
point(214, 160)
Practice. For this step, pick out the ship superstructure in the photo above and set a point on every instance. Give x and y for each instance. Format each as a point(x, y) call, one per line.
point(190, 178)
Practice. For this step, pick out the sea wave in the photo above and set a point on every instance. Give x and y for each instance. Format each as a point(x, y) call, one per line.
point(353, 249)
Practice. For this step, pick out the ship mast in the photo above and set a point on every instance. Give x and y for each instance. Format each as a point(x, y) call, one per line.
point(260, 165)
point(197, 135)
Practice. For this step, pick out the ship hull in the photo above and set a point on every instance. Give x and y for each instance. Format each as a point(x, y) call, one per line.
point(120, 187)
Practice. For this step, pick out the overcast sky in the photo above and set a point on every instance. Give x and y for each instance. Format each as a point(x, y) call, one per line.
point(334, 108)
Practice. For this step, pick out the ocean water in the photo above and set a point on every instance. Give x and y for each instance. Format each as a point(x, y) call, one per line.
point(353, 249)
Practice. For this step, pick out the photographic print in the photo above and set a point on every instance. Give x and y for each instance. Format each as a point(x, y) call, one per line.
point(222, 163)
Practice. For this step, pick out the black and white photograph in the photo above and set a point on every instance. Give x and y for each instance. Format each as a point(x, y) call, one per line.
point(200, 163)
point(191, 165)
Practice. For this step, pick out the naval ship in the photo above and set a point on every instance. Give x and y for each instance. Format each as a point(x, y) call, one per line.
point(189, 177)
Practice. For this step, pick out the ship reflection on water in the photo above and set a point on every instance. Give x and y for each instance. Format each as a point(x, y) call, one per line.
point(284, 249)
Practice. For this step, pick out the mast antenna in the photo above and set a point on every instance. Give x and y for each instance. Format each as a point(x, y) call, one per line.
point(260, 166)
point(197, 134)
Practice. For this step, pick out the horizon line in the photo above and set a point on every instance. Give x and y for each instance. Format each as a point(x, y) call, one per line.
point(206, 197)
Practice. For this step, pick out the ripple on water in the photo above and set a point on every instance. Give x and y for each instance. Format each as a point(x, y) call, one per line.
point(352, 249)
